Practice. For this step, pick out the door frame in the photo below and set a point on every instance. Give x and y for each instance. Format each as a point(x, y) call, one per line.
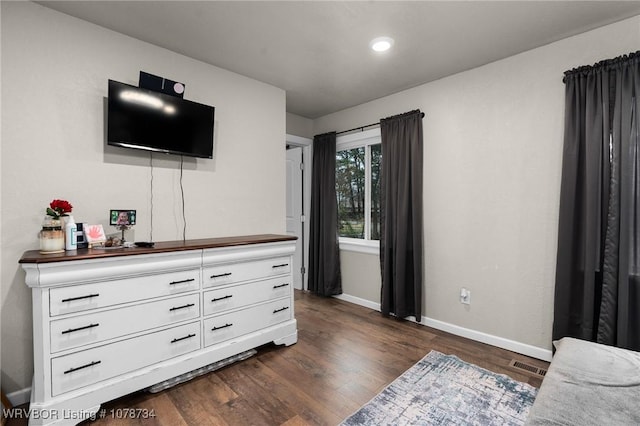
point(307, 151)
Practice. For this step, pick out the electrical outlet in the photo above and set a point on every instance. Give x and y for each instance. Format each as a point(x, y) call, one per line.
point(465, 296)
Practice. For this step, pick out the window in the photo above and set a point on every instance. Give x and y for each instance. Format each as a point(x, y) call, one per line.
point(350, 190)
point(376, 161)
point(358, 158)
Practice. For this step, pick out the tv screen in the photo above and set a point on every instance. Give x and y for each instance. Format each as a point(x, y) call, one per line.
point(154, 121)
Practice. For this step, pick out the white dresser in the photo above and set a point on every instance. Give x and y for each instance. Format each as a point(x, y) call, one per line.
point(110, 322)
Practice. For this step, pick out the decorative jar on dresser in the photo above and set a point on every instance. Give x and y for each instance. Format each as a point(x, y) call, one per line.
point(108, 323)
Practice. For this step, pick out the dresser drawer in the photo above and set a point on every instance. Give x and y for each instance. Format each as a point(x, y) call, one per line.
point(223, 299)
point(95, 327)
point(84, 297)
point(84, 368)
point(228, 326)
point(244, 271)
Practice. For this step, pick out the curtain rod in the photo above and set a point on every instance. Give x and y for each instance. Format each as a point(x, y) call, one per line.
point(361, 128)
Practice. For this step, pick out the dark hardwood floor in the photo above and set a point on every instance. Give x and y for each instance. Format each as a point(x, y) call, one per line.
point(345, 355)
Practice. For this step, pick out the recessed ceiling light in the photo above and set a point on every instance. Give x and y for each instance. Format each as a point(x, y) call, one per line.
point(381, 44)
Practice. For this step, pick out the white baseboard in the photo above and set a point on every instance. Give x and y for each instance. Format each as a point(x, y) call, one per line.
point(500, 342)
point(358, 301)
point(19, 397)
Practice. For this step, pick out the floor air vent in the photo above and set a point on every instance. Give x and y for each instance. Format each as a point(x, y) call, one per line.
point(200, 371)
point(526, 367)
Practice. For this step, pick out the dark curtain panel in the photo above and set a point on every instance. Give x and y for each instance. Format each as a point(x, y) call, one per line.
point(597, 293)
point(324, 253)
point(401, 215)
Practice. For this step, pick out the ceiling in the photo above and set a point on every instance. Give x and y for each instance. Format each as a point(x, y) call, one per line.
point(317, 51)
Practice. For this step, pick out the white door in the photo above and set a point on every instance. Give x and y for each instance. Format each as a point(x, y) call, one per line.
point(294, 210)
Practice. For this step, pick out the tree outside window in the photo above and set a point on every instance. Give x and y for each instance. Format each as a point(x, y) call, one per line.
point(358, 192)
point(376, 162)
point(350, 177)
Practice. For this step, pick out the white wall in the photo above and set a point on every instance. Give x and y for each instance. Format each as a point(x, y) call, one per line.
point(492, 162)
point(54, 81)
point(299, 126)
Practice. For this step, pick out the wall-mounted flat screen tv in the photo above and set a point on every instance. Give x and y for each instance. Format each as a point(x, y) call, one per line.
point(153, 121)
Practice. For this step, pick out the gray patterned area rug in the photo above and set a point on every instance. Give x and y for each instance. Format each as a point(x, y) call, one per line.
point(444, 390)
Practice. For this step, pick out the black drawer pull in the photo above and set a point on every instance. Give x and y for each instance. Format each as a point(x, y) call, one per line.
point(88, 296)
point(188, 336)
point(281, 309)
point(281, 285)
point(91, 364)
point(280, 266)
point(222, 298)
point(71, 330)
point(182, 281)
point(175, 308)
point(221, 327)
point(221, 275)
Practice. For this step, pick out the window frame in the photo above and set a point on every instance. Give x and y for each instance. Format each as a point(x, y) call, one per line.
point(365, 139)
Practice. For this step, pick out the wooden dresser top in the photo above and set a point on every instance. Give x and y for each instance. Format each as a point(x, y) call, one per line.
point(34, 256)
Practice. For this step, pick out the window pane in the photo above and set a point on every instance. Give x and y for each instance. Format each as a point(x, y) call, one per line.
point(376, 158)
point(350, 189)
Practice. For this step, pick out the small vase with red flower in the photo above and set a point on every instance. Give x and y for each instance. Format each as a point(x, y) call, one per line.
point(52, 233)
